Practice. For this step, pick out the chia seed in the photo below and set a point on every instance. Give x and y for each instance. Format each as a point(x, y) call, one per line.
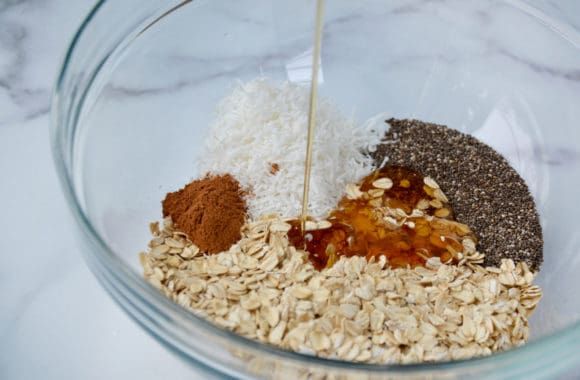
point(486, 193)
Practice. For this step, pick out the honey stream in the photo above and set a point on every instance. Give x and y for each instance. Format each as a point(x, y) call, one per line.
point(312, 111)
point(363, 226)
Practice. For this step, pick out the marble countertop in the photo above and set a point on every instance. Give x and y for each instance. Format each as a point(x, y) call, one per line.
point(56, 320)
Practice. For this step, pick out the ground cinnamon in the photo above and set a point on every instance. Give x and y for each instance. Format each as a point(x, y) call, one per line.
point(211, 211)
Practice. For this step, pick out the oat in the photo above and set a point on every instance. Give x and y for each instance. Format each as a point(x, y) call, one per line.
point(310, 225)
point(159, 250)
point(442, 213)
point(301, 292)
point(349, 310)
point(423, 204)
point(352, 191)
point(376, 193)
point(438, 194)
point(280, 227)
point(430, 182)
point(383, 183)
point(436, 203)
point(267, 290)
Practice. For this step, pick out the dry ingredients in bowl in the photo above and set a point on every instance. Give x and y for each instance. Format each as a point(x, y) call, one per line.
point(390, 269)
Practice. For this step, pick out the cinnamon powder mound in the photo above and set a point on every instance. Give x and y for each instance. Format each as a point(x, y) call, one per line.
point(211, 211)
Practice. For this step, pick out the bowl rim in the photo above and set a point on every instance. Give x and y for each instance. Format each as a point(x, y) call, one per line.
point(135, 283)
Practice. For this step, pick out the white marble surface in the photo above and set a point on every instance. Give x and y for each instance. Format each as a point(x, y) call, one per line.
point(55, 320)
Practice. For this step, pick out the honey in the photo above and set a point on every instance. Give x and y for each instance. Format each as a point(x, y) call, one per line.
point(397, 214)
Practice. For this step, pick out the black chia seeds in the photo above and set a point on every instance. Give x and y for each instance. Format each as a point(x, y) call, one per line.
point(485, 192)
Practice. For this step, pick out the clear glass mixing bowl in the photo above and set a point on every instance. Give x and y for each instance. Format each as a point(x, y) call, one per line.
point(137, 91)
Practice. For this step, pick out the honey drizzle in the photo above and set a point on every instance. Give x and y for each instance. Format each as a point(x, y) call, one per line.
point(364, 226)
point(312, 111)
point(389, 225)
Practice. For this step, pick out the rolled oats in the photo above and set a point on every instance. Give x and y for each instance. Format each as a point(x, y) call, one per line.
point(358, 310)
point(383, 183)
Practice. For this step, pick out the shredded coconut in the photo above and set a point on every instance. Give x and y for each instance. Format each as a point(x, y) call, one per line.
point(263, 123)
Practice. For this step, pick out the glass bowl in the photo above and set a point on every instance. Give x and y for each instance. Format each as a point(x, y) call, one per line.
point(137, 91)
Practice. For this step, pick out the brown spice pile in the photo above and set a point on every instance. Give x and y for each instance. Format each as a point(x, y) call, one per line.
point(211, 211)
point(485, 191)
